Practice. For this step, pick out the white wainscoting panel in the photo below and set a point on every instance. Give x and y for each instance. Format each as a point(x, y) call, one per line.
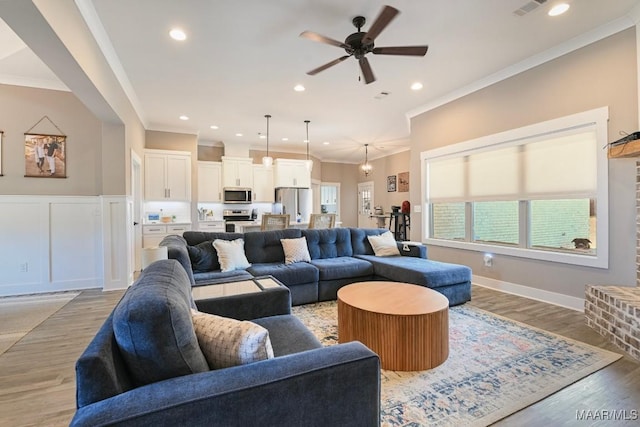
point(50, 244)
point(115, 223)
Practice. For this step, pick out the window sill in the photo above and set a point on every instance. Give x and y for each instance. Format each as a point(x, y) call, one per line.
point(584, 260)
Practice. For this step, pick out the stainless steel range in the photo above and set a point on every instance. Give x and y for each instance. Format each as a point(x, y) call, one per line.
point(231, 216)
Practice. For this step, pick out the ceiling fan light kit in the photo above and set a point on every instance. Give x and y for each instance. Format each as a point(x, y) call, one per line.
point(360, 43)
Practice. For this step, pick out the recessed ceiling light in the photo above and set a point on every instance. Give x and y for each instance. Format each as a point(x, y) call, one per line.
point(214, 127)
point(285, 139)
point(184, 118)
point(416, 86)
point(326, 143)
point(559, 9)
point(177, 34)
point(299, 88)
point(261, 136)
point(238, 134)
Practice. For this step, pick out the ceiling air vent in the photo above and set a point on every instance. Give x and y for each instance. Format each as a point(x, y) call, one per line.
point(529, 7)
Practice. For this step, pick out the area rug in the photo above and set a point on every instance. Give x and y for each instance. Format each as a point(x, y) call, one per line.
point(20, 315)
point(496, 367)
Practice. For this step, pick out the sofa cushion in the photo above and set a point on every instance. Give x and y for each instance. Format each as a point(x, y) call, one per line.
point(360, 242)
point(217, 276)
point(153, 327)
point(288, 334)
point(194, 237)
point(384, 244)
point(228, 342)
point(342, 268)
point(328, 243)
point(419, 271)
point(265, 247)
point(204, 257)
point(295, 250)
point(231, 254)
point(287, 274)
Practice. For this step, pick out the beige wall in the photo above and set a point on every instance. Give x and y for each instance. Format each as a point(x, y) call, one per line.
point(347, 176)
point(21, 108)
point(601, 74)
point(381, 169)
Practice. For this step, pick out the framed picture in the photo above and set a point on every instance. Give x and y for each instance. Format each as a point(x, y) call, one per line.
point(45, 156)
point(403, 182)
point(391, 183)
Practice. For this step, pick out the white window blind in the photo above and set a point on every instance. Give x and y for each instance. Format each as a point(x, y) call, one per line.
point(562, 166)
point(557, 165)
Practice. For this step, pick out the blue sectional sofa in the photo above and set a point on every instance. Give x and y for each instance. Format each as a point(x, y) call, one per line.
point(145, 367)
point(339, 256)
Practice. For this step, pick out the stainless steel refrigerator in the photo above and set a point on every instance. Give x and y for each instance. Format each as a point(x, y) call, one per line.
point(297, 202)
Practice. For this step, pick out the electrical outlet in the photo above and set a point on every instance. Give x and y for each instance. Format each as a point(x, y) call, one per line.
point(24, 267)
point(488, 260)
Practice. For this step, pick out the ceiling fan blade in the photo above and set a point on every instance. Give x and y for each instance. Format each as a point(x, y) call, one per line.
point(366, 70)
point(327, 65)
point(322, 39)
point(401, 50)
point(381, 22)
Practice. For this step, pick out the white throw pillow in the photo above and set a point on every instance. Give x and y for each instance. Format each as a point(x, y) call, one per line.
point(295, 250)
point(384, 244)
point(228, 342)
point(231, 254)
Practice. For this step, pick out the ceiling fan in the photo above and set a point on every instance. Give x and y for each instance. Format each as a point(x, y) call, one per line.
point(361, 43)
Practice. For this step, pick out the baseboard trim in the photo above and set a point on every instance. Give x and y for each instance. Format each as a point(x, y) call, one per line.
point(554, 298)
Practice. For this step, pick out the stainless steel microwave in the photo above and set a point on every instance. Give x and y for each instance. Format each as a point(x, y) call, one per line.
point(237, 195)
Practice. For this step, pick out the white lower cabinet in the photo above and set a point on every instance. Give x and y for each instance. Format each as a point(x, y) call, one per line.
point(212, 226)
point(152, 234)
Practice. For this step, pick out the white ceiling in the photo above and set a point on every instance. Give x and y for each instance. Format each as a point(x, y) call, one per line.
point(242, 59)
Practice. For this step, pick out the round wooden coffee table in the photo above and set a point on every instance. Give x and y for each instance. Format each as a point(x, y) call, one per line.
point(407, 325)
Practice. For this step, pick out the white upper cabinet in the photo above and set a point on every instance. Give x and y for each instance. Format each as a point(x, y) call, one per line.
point(263, 184)
point(167, 175)
point(209, 182)
point(237, 172)
point(291, 173)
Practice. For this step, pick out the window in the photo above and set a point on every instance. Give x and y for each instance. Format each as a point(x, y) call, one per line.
point(538, 192)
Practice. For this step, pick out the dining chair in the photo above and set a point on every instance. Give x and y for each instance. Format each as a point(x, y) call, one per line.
point(274, 222)
point(322, 220)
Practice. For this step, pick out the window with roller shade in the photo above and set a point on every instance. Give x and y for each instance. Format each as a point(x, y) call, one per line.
point(536, 192)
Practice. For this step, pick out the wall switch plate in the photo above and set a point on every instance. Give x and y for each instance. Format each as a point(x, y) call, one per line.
point(417, 208)
point(488, 260)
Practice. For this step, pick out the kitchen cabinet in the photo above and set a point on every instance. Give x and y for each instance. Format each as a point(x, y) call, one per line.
point(263, 184)
point(211, 226)
point(167, 175)
point(209, 182)
point(291, 173)
point(152, 234)
point(237, 172)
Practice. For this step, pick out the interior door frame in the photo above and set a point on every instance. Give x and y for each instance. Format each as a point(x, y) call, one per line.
point(136, 196)
point(365, 213)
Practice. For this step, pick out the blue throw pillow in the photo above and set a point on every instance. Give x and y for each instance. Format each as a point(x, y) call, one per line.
point(203, 257)
point(153, 327)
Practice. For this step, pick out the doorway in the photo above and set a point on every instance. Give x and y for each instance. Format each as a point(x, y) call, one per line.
point(365, 205)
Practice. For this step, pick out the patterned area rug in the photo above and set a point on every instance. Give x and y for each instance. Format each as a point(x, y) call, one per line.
point(19, 315)
point(496, 367)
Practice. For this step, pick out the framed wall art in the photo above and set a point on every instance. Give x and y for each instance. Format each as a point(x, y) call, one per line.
point(45, 156)
point(391, 183)
point(403, 182)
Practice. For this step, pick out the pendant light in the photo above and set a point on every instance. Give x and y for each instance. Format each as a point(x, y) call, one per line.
point(309, 162)
point(267, 161)
point(366, 167)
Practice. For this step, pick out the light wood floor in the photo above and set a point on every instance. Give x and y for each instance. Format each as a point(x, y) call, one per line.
point(37, 375)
